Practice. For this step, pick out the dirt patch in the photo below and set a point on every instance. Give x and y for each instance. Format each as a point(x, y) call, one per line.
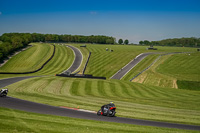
point(141, 78)
point(175, 84)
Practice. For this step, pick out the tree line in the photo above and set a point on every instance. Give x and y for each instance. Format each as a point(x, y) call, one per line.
point(14, 41)
point(180, 42)
point(37, 37)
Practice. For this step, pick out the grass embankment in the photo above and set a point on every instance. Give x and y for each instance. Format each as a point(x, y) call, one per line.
point(147, 61)
point(132, 99)
point(105, 63)
point(61, 61)
point(19, 121)
point(169, 69)
point(29, 60)
point(181, 66)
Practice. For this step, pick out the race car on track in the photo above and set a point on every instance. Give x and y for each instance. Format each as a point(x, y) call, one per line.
point(107, 110)
point(3, 92)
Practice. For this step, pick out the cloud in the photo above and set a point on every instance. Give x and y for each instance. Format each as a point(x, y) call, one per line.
point(93, 13)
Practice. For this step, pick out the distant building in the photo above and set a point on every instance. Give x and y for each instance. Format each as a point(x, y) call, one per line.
point(83, 46)
point(151, 48)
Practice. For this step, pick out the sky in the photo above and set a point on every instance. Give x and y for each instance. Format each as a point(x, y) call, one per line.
point(134, 20)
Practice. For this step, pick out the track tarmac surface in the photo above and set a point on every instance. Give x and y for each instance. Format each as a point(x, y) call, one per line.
point(14, 103)
point(77, 61)
point(121, 73)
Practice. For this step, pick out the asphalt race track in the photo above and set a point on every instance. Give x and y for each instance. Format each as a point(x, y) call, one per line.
point(14, 103)
point(129, 66)
point(78, 59)
point(8, 81)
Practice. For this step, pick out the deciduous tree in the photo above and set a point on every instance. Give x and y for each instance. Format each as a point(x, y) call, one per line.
point(120, 41)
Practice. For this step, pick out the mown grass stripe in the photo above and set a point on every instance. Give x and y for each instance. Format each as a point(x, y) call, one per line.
point(75, 87)
point(81, 90)
point(100, 86)
point(125, 90)
point(88, 87)
point(29, 61)
point(62, 60)
point(109, 89)
point(137, 90)
point(94, 89)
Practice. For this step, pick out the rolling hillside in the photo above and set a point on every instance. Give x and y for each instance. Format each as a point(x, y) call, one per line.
point(132, 99)
point(106, 63)
point(175, 71)
point(152, 98)
point(30, 59)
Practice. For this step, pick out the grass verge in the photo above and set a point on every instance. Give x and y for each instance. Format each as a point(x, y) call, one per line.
point(19, 121)
point(189, 85)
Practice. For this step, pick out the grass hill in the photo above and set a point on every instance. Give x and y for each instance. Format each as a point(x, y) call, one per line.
point(152, 98)
point(106, 63)
point(132, 99)
point(30, 59)
point(62, 60)
point(175, 71)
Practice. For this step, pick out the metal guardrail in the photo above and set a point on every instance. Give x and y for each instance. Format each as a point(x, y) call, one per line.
point(87, 62)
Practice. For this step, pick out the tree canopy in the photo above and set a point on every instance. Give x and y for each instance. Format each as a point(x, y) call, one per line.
point(120, 41)
point(187, 42)
point(126, 42)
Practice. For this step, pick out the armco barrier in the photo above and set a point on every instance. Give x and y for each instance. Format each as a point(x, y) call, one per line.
point(34, 70)
point(80, 76)
point(86, 63)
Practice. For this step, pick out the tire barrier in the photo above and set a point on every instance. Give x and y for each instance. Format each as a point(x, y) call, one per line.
point(80, 76)
point(34, 70)
point(86, 62)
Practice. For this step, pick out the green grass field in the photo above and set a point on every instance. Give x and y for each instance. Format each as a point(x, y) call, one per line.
point(140, 66)
point(182, 66)
point(61, 61)
point(30, 59)
point(105, 63)
point(172, 68)
point(19, 121)
point(133, 100)
point(152, 98)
